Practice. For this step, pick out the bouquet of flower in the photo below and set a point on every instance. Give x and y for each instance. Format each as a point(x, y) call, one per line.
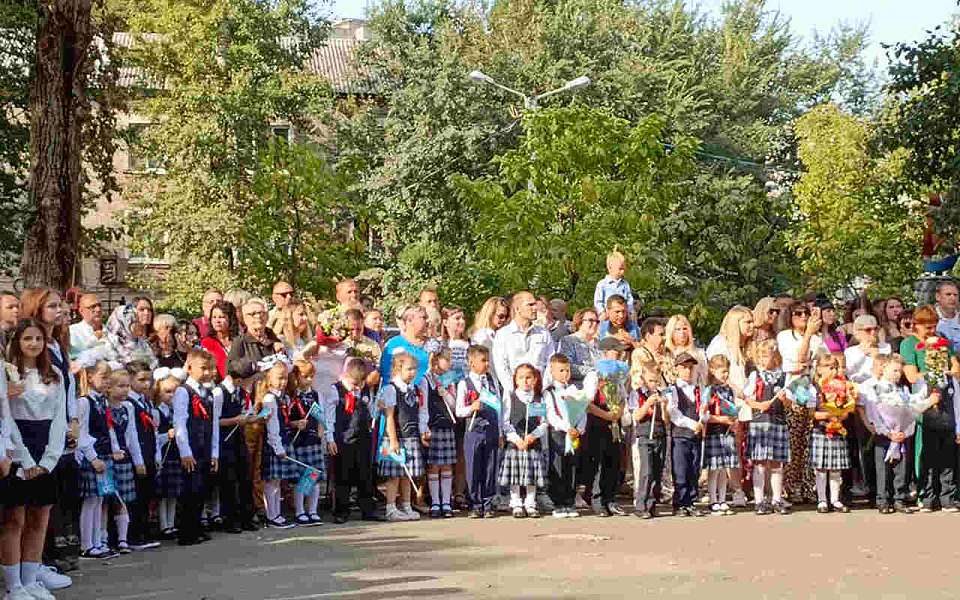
point(802, 396)
point(839, 400)
point(332, 326)
point(937, 360)
point(361, 351)
point(897, 410)
point(613, 375)
point(13, 375)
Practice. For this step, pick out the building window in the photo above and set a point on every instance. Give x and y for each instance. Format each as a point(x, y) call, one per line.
point(281, 131)
point(137, 157)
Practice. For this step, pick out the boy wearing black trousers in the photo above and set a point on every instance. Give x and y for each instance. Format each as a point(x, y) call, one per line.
point(146, 419)
point(650, 447)
point(562, 486)
point(686, 410)
point(347, 409)
point(196, 411)
point(233, 476)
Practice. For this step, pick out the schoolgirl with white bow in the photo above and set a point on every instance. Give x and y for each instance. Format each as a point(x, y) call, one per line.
point(442, 451)
point(169, 481)
point(271, 394)
point(524, 425)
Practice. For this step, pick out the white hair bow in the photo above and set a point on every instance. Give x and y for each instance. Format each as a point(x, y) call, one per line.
point(268, 362)
point(164, 372)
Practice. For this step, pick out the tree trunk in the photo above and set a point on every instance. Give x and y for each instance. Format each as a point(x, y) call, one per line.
point(58, 108)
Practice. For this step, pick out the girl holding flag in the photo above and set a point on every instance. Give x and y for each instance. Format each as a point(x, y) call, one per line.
point(442, 451)
point(169, 470)
point(406, 416)
point(524, 425)
point(720, 452)
point(271, 394)
point(306, 419)
point(127, 458)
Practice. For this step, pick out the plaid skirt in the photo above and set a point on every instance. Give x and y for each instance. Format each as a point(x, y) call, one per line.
point(522, 467)
point(720, 451)
point(125, 480)
point(829, 453)
point(272, 468)
point(389, 468)
point(768, 441)
point(87, 477)
point(443, 447)
point(311, 454)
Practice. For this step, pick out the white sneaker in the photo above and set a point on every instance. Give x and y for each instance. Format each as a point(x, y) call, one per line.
point(38, 592)
point(410, 514)
point(572, 513)
point(20, 593)
point(739, 499)
point(560, 513)
point(51, 579)
point(394, 514)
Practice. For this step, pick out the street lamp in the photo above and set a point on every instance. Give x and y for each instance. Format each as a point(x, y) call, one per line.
point(530, 102)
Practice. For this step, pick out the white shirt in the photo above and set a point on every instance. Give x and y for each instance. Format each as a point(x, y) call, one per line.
point(181, 413)
point(557, 416)
point(130, 437)
point(788, 343)
point(479, 383)
point(39, 402)
point(513, 347)
point(860, 365)
point(82, 337)
point(677, 417)
point(330, 401)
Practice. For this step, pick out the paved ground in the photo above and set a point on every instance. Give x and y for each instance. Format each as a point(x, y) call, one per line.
point(804, 555)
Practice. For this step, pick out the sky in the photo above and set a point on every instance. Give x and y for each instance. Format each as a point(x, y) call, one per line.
point(890, 20)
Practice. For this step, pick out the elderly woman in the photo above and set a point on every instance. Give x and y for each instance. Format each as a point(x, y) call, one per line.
point(168, 351)
point(860, 357)
point(581, 345)
point(129, 330)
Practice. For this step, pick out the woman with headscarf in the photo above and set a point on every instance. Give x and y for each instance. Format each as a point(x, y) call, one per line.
point(128, 329)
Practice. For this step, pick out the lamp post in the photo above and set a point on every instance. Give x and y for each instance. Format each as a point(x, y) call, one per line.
point(531, 102)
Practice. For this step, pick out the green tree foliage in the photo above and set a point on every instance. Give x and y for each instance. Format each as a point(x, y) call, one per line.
point(736, 83)
point(699, 239)
point(218, 74)
point(856, 220)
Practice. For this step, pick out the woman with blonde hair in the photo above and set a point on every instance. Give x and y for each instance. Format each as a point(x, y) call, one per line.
point(736, 342)
point(494, 314)
point(765, 315)
point(678, 338)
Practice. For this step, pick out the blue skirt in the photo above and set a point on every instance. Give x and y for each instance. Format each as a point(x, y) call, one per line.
point(88, 477)
point(443, 447)
point(311, 454)
point(273, 468)
point(768, 441)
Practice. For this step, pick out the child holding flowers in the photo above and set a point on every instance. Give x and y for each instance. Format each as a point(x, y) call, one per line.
point(829, 451)
point(720, 450)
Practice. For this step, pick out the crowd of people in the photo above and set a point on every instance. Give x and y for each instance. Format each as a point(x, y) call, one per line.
point(117, 434)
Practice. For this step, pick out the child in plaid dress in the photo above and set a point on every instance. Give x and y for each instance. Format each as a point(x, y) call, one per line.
point(169, 472)
point(121, 418)
point(768, 443)
point(275, 466)
point(721, 444)
point(829, 454)
point(307, 444)
point(95, 448)
point(524, 424)
point(406, 416)
point(442, 451)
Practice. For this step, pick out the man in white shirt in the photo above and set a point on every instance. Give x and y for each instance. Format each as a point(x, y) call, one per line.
point(89, 331)
point(947, 302)
point(521, 341)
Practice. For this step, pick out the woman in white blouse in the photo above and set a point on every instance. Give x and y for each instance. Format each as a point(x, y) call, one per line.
point(493, 315)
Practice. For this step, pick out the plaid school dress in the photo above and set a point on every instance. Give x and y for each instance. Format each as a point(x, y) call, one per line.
point(768, 437)
point(169, 471)
point(524, 467)
point(273, 468)
point(406, 414)
point(98, 427)
point(443, 439)
point(123, 474)
point(720, 448)
point(830, 453)
point(308, 447)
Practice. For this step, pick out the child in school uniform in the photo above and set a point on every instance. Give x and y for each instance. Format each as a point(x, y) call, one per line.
point(348, 408)
point(233, 477)
point(146, 420)
point(127, 461)
point(307, 441)
point(938, 440)
point(96, 447)
point(524, 425)
point(687, 409)
point(169, 484)
point(561, 483)
point(768, 442)
point(600, 448)
point(406, 414)
point(442, 451)
point(720, 450)
point(650, 416)
point(481, 441)
point(196, 418)
point(38, 420)
point(829, 454)
point(271, 393)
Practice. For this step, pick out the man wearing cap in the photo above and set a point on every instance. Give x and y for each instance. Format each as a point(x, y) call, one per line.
point(687, 415)
point(602, 449)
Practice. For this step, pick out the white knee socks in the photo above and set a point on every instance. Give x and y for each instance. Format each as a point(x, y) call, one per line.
point(123, 524)
point(271, 495)
point(446, 488)
point(835, 481)
point(433, 483)
point(313, 500)
point(298, 503)
point(530, 501)
point(722, 486)
point(90, 523)
point(821, 478)
point(759, 482)
point(776, 483)
point(712, 486)
point(167, 513)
